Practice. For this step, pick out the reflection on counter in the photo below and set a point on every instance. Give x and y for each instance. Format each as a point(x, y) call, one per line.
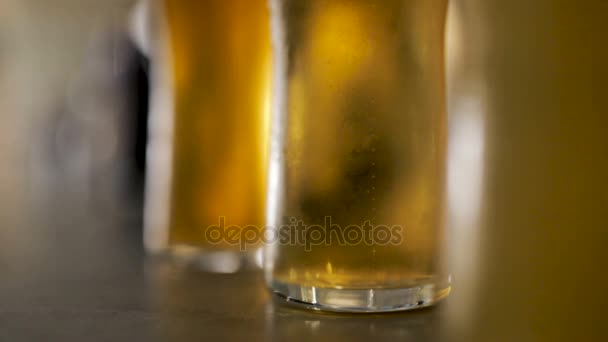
point(288, 323)
point(189, 302)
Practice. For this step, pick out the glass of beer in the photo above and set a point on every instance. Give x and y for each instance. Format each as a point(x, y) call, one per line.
point(357, 161)
point(209, 129)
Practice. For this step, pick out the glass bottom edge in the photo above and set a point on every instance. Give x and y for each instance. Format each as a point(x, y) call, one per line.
point(211, 260)
point(360, 300)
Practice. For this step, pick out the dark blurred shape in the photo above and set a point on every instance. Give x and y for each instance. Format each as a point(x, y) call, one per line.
point(98, 138)
point(137, 91)
point(141, 87)
point(128, 77)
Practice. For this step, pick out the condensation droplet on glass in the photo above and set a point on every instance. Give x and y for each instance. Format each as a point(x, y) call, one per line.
point(329, 268)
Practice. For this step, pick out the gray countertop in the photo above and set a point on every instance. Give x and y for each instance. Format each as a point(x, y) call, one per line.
point(80, 275)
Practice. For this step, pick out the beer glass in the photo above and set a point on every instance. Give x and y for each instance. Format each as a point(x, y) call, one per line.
point(209, 125)
point(357, 163)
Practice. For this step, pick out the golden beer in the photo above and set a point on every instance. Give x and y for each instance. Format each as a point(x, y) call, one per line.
point(359, 138)
point(219, 60)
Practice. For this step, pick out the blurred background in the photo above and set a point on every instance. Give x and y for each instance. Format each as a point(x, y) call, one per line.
point(74, 98)
point(528, 165)
point(73, 107)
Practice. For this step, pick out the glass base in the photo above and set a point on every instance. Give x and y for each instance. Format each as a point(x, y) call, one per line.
point(361, 300)
point(212, 261)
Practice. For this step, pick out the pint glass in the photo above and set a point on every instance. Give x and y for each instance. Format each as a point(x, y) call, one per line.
point(357, 163)
point(212, 73)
